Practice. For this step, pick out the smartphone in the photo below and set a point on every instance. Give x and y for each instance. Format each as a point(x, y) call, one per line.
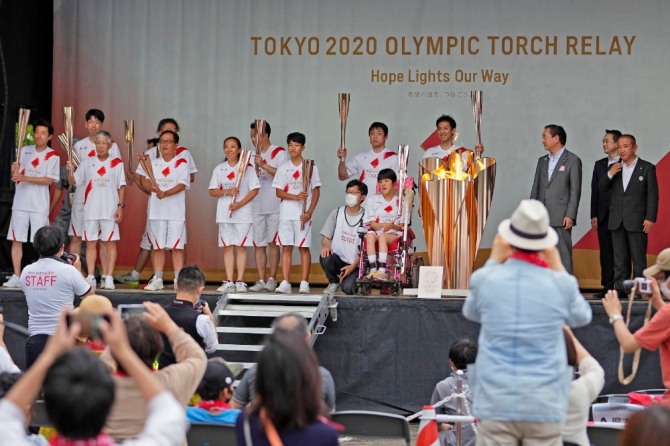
point(90, 323)
point(126, 311)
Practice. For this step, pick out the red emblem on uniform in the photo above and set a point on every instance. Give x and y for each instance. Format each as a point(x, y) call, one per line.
point(389, 155)
point(296, 174)
point(286, 188)
point(362, 177)
point(91, 153)
point(179, 150)
point(179, 161)
point(115, 162)
point(102, 171)
point(374, 162)
point(50, 154)
point(166, 171)
point(231, 175)
point(388, 209)
point(275, 152)
point(35, 162)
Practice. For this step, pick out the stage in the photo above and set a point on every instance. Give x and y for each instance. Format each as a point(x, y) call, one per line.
point(387, 353)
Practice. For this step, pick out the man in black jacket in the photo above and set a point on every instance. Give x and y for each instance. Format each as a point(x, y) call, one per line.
point(633, 209)
point(199, 323)
point(600, 207)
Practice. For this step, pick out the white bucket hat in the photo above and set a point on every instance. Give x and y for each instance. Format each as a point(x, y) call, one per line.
point(529, 227)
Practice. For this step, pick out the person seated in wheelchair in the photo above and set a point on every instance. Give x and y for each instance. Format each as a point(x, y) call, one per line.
point(384, 222)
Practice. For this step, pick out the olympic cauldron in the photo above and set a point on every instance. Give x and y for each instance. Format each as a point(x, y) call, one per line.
point(456, 195)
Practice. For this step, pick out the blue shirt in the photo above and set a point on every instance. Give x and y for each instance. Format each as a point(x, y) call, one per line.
point(200, 415)
point(521, 372)
point(553, 160)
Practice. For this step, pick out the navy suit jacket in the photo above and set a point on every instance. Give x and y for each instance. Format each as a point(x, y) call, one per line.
point(637, 203)
point(600, 201)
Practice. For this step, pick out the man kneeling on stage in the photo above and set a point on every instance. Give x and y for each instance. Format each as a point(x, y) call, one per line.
point(339, 244)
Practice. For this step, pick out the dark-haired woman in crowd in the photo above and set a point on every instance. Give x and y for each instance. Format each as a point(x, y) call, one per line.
point(288, 405)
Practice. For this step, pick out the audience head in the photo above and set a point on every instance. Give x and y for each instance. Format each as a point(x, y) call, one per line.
point(290, 323)
point(528, 229)
point(191, 280)
point(48, 241)
point(650, 426)
point(78, 394)
point(145, 340)
point(462, 353)
point(661, 271)
point(217, 383)
point(288, 383)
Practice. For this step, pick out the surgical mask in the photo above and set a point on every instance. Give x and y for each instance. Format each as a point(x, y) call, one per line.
point(351, 200)
point(665, 291)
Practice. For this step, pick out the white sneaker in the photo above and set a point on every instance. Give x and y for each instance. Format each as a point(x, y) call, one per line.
point(155, 284)
point(13, 282)
point(227, 287)
point(304, 287)
point(91, 281)
point(241, 287)
point(260, 285)
point(271, 285)
point(109, 283)
point(284, 287)
point(331, 288)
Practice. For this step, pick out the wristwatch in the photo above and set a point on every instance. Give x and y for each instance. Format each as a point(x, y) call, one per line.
point(615, 318)
point(121, 205)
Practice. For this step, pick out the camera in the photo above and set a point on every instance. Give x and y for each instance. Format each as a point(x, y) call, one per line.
point(126, 311)
point(68, 258)
point(643, 286)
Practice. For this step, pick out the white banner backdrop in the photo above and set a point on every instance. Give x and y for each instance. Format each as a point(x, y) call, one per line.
point(217, 65)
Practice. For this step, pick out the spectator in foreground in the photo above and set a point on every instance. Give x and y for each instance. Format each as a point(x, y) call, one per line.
point(245, 392)
point(215, 391)
point(128, 415)
point(288, 401)
point(650, 426)
point(461, 354)
point(79, 391)
point(583, 391)
point(522, 297)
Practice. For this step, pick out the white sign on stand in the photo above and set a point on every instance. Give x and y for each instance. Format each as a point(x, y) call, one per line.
point(430, 282)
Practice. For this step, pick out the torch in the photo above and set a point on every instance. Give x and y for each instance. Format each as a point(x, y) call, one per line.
point(307, 168)
point(343, 102)
point(145, 162)
point(130, 138)
point(260, 132)
point(242, 164)
point(477, 97)
point(403, 156)
point(71, 154)
point(24, 116)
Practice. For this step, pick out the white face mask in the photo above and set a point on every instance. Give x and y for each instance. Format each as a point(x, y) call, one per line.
point(351, 200)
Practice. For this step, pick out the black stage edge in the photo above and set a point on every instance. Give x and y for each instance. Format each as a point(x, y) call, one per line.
point(387, 354)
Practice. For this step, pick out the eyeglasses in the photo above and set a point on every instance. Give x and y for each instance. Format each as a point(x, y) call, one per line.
point(166, 141)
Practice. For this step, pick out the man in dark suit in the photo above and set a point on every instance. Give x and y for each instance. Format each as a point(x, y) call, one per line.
point(600, 207)
point(633, 209)
point(558, 185)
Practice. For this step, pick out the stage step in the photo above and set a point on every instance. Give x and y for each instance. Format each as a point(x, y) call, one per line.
point(243, 320)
